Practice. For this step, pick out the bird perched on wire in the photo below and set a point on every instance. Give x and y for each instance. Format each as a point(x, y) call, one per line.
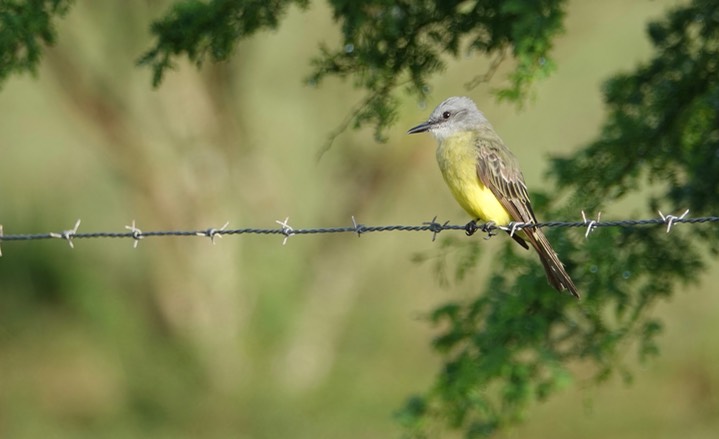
point(485, 179)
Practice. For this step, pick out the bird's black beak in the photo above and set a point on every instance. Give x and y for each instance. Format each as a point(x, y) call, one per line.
point(421, 128)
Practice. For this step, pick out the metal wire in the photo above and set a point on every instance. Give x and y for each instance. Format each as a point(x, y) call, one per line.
point(133, 232)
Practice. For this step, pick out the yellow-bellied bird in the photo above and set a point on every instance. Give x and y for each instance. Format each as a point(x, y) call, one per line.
point(484, 177)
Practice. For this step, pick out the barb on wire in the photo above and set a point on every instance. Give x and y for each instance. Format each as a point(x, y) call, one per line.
point(287, 230)
point(591, 224)
point(671, 219)
point(212, 232)
point(434, 227)
point(135, 233)
point(514, 226)
point(1, 234)
point(359, 228)
point(67, 234)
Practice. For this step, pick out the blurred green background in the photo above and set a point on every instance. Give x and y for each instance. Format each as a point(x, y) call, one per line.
point(322, 337)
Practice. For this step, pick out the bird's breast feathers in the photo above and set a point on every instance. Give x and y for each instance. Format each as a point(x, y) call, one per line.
point(457, 157)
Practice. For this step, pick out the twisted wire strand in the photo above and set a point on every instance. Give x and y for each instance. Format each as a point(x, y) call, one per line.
point(286, 230)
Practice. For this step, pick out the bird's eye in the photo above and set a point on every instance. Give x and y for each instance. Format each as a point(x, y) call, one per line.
point(446, 114)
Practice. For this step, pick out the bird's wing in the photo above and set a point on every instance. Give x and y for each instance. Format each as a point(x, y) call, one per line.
point(498, 169)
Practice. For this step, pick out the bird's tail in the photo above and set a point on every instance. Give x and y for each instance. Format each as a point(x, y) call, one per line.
point(556, 274)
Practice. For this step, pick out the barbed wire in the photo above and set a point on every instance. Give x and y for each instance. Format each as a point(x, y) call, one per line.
point(434, 227)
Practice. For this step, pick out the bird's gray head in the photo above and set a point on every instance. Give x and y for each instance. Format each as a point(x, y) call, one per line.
point(455, 114)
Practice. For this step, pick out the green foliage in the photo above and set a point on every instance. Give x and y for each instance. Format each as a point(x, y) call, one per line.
point(662, 125)
point(200, 29)
point(25, 26)
point(385, 44)
point(514, 344)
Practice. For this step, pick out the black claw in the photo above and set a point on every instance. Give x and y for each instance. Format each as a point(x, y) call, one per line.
point(490, 228)
point(471, 228)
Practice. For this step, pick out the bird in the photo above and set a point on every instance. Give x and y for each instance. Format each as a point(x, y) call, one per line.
point(485, 179)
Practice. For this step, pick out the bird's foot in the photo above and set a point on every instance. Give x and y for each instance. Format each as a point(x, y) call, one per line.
point(490, 228)
point(471, 227)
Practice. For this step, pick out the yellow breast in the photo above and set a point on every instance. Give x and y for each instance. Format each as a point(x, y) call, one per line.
point(457, 158)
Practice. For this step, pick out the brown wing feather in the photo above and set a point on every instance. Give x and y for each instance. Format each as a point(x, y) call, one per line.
point(498, 169)
point(507, 184)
